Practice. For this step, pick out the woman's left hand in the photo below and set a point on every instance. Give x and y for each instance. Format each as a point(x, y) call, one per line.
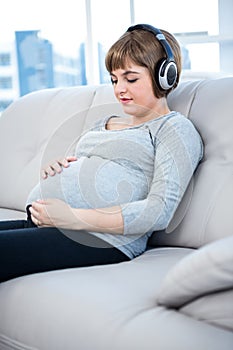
point(53, 213)
point(56, 213)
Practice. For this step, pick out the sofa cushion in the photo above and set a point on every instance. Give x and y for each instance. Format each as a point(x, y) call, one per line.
point(11, 214)
point(101, 308)
point(51, 116)
point(216, 309)
point(44, 125)
point(204, 275)
point(205, 213)
point(207, 270)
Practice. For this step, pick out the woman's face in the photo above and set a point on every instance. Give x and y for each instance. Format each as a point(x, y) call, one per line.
point(133, 89)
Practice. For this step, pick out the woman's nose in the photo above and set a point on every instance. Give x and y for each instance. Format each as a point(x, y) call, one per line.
point(120, 87)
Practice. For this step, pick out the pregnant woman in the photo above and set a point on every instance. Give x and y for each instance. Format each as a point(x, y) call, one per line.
point(126, 178)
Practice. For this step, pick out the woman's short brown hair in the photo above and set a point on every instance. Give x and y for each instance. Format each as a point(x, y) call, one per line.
point(142, 48)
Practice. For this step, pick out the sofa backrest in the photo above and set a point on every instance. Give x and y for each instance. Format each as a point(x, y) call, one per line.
point(206, 211)
point(42, 126)
point(46, 124)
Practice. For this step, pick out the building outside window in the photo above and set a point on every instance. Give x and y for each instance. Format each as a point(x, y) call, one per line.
point(5, 83)
point(5, 59)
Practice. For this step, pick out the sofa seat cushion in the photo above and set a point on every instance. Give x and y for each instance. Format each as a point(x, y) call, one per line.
point(205, 276)
point(11, 214)
point(60, 309)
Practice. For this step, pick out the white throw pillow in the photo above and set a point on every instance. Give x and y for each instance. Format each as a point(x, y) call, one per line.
point(207, 270)
point(214, 308)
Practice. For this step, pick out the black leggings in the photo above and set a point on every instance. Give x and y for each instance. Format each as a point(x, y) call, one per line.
point(27, 249)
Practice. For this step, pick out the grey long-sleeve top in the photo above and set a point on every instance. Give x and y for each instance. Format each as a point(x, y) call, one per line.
point(145, 169)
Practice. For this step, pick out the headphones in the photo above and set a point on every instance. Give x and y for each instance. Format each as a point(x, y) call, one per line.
point(166, 69)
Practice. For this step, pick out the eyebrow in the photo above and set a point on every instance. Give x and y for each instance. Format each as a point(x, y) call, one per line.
point(126, 73)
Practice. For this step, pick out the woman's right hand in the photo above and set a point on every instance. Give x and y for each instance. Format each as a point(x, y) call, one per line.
point(56, 166)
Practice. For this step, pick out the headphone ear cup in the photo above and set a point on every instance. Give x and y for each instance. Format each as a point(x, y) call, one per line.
point(166, 74)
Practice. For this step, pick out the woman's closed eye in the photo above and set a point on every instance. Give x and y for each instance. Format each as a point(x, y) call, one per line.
point(113, 81)
point(131, 81)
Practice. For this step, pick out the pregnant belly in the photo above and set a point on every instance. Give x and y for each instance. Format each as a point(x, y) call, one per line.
point(93, 183)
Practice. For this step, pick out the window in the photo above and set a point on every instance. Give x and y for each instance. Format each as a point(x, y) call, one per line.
point(180, 16)
point(108, 23)
point(189, 21)
point(64, 43)
point(203, 28)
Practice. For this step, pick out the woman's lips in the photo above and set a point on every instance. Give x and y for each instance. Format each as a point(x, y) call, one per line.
point(125, 100)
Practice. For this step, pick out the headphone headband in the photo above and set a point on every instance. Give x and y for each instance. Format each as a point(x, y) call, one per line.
point(167, 69)
point(159, 35)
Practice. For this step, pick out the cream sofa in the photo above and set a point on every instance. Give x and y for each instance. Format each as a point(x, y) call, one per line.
point(178, 295)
